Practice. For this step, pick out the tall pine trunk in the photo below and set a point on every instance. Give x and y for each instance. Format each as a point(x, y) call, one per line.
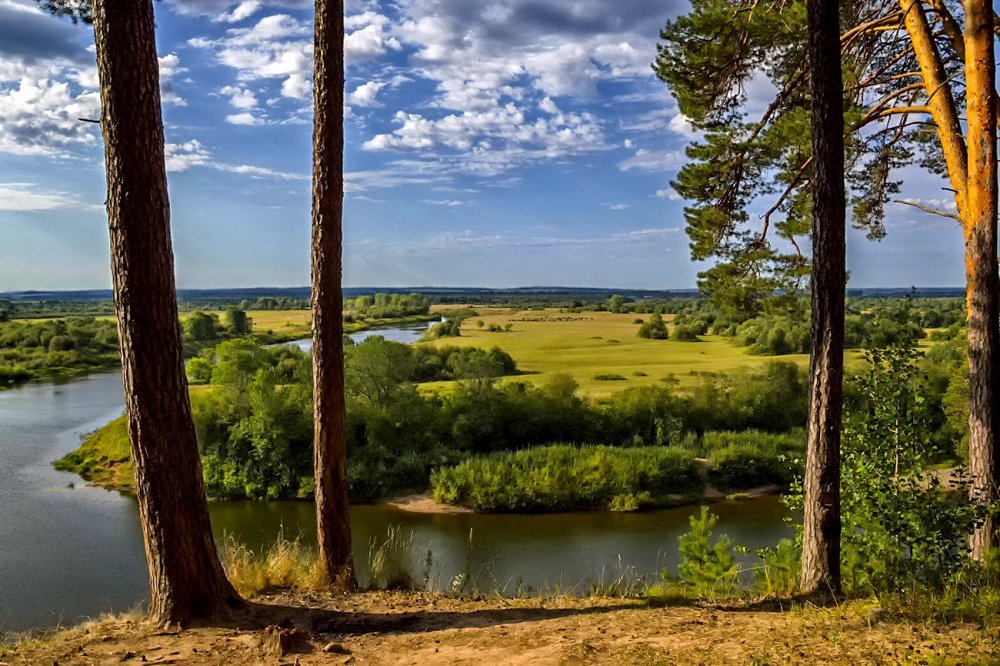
point(982, 281)
point(330, 415)
point(821, 521)
point(186, 579)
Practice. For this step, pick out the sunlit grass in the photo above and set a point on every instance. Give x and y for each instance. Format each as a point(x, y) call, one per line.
point(286, 564)
point(587, 345)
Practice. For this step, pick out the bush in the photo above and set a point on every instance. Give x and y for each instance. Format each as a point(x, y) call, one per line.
point(563, 477)
point(654, 329)
point(609, 377)
point(685, 334)
point(746, 466)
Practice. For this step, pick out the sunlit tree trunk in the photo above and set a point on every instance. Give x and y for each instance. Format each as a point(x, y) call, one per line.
point(821, 520)
point(186, 579)
point(982, 282)
point(330, 416)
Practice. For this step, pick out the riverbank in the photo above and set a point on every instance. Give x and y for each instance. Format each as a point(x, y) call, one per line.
point(422, 628)
point(20, 365)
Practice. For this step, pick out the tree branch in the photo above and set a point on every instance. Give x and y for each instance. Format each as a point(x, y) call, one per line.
point(928, 209)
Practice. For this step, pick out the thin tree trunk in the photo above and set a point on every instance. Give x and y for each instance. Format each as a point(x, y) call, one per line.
point(821, 521)
point(330, 416)
point(186, 579)
point(982, 281)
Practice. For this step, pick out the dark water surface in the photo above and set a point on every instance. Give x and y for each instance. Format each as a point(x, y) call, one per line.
point(69, 552)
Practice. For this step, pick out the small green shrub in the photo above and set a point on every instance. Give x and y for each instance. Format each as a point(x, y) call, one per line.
point(609, 378)
point(744, 467)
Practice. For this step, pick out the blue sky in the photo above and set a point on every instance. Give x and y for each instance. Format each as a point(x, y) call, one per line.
point(495, 143)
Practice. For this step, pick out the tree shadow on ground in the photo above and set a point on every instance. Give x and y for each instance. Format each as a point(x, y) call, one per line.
point(353, 623)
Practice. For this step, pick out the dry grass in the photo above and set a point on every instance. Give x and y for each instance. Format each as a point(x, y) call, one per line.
point(423, 628)
point(286, 564)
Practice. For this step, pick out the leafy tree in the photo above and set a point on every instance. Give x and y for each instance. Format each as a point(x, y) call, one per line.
point(199, 326)
point(6, 310)
point(911, 72)
point(199, 370)
point(376, 369)
point(904, 527)
point(237, 322)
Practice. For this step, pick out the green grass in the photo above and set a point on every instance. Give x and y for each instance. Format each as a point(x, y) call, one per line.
point(592, 345)
point(103, 458)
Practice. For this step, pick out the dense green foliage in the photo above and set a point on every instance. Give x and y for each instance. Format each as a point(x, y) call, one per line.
point(387, 306)
point(654, 329)
point(783, 327)
point(450, 328)
point(552, 478)
point(30, 349)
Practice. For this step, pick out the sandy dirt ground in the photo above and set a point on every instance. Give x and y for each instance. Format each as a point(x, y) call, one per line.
point(419, 628)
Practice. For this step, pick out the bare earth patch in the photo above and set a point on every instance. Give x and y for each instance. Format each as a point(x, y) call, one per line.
point(419, 628)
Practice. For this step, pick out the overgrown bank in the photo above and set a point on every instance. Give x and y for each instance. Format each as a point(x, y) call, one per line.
point(254, 420)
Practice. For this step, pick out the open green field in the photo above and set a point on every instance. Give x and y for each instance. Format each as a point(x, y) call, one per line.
point(589, 344)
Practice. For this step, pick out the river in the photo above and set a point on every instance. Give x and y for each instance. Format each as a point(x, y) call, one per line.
point(68, 551)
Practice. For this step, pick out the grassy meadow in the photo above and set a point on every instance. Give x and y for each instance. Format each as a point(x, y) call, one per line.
point(586, 345)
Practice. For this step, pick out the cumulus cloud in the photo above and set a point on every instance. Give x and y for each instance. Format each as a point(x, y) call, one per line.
point(367, 94)
point(170, 66)
point(279, 47)
point(42, 117)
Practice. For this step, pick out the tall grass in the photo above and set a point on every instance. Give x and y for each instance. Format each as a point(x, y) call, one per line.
point(286, 564)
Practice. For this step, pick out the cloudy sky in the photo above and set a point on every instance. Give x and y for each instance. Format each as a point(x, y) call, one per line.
point(489, 143)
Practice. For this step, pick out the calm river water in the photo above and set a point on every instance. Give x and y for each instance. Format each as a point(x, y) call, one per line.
point(68, 551)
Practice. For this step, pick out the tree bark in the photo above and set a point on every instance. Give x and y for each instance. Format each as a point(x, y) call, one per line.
point(982, 281)
point(941, 101)
point(821, 520)
point(186, 579)
point(330, 416)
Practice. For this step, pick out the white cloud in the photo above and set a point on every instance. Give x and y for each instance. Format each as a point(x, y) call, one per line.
point(668, 193)
point(190, 154)
point(243, 119)
point(239, 97)
point(617, 206)
point(446, 202)
point(242, 11)
point(367, 94)
point(183, 156)
point(648, 160)
point(170, 66)
point(42, 117)
point(24, 197)
point(679, 124)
